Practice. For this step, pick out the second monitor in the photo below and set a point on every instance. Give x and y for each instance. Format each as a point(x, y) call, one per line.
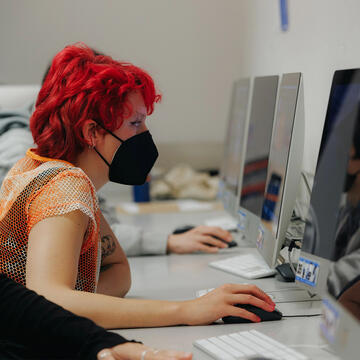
point(284, 169)
point(253, 179)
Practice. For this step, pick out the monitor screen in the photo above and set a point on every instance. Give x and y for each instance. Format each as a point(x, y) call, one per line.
point(332, 232)
point(258, 143)
point(279, 152)
point(235, 135)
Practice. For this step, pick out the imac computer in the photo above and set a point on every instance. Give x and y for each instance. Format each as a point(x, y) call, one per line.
point(253, 179)
point(234, 145)
point(284, 169)
point(329, 263)
point(283, 175)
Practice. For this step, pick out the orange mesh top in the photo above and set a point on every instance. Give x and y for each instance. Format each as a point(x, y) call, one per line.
point(34, 189)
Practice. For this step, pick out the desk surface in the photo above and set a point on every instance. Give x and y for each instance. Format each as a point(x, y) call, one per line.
point(178, 277)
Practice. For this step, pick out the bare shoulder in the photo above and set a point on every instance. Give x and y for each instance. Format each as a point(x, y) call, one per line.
point(75, 222)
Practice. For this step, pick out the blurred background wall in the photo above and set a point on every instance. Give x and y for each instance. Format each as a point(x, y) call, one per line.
point(194, 49)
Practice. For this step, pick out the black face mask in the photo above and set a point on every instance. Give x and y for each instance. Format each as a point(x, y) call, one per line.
point(133, 160)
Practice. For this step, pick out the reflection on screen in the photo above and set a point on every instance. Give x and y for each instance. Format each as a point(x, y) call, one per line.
point(279, 155)
point(333, 224)
point(331, 200)
point(258, 143)
point(236, 129)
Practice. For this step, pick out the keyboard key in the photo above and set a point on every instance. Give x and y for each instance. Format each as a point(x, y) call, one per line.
point(222, 345)
point(238, 345)
point(214, 350)
point(247, 344)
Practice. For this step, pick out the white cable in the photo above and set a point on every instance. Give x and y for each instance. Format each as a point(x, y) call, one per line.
point(290, 262)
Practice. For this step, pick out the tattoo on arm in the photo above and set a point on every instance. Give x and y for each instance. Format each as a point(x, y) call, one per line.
point(108, 246)
point(105, 267)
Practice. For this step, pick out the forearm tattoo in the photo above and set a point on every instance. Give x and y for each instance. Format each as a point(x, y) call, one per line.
point(108, 246)
point(105, 267)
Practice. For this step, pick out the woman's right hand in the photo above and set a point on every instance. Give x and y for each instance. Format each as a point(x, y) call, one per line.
point(134, 351)
point(220, 302)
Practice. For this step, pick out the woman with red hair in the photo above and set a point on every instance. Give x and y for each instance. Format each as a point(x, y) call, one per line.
point(89, 128)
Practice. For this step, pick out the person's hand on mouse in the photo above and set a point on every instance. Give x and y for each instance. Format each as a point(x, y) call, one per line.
point(133, 351)
point(200, 238)
point(220, 303)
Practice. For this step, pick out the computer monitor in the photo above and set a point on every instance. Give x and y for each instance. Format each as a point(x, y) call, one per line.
point(332, 230)
point(253, 179)
point(234, 145)
point(329, 263)
point(284, 168)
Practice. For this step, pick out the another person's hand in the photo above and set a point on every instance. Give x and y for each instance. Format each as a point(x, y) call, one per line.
point(133, 351)
point(220, 302)
point(201, 238)
point(350, 299)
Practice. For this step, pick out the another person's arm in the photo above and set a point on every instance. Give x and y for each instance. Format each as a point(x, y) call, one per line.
point(350, 298)
point(46, 329)
point(200, 238)
point(52, 262)
point(136, 241)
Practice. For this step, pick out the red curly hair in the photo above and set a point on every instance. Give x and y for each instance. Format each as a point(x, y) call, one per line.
point(80, 85)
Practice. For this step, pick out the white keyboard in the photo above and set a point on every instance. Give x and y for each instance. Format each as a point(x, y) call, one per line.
point(226, 222)
point(248, 266)
point(244, 345)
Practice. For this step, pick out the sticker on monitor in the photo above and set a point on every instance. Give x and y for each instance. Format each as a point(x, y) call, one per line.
point(307, 271)
point(242, 224)
point(260, 237)
point(329, 321)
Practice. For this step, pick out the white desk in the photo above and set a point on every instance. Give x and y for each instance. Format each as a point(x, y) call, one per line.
point(178, 277)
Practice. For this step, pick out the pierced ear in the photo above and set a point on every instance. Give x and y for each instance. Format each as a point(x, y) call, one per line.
point(89, 132)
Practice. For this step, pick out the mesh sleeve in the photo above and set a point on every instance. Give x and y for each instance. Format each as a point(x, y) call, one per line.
point(68, 191)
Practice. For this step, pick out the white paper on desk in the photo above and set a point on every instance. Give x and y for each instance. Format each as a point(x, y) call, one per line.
point(193, 205)
point(130, 207)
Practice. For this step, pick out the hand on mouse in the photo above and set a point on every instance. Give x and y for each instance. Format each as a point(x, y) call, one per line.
point(220, 303)
point(201, 238)
point(132, 351)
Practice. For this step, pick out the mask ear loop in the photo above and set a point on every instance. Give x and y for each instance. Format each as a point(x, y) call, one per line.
point(101, 156)
point(93, 147)
point(108, 131)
